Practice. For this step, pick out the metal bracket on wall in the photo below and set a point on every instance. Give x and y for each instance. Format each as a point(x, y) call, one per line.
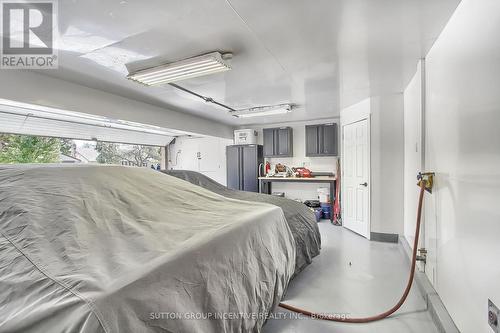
point(422, 255)
point(428, 178)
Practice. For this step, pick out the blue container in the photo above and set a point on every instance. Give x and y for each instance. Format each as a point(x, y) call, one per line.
point(318, 212)
point(327, 210)
point(326, 207)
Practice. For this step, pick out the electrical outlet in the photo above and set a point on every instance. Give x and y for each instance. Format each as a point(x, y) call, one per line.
point(493, 316)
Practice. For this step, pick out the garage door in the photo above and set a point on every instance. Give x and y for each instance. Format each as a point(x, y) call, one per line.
point(21, 118)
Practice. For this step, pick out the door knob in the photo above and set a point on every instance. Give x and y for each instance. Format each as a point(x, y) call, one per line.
point(365, 184)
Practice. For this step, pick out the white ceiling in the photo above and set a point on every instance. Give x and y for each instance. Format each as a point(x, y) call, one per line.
point(322, 55)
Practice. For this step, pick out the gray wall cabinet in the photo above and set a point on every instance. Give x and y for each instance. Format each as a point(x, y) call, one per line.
point(243, 167)
point(278, 142)
point(322, 140)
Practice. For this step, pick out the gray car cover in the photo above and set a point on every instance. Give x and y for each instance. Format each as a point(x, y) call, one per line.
point(298, 216)
point(116, 249)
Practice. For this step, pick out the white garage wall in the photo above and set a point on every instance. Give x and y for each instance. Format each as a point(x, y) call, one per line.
point(327, 163)
point(206, 155)
point(387, 163)
point(34, 88)
point(412, 151)
point(463, 148)
point(387, 160)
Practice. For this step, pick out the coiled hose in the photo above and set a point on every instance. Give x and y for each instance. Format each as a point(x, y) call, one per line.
point(401, 300)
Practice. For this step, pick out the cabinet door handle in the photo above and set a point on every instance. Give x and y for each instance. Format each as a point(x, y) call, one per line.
point(365, 184)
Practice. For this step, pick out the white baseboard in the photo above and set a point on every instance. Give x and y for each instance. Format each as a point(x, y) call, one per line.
point(438, 311)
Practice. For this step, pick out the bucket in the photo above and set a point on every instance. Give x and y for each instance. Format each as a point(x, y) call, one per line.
point(324, 194)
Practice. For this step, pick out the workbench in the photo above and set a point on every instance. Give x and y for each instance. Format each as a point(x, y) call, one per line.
point(266, 184)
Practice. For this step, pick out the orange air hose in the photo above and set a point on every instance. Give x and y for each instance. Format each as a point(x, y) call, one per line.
point(387, 313)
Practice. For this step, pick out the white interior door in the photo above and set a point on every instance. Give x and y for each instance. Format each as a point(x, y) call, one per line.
point(356, 177)
point(188, 159)
point(212, 158)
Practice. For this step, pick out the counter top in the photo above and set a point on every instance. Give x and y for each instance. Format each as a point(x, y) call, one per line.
point(298, 179)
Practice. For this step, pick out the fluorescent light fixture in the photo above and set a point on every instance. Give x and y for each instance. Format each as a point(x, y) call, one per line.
point(263, 111)
point(210, 63)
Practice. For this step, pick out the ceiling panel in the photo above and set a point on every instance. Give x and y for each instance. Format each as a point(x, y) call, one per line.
point(321, 55)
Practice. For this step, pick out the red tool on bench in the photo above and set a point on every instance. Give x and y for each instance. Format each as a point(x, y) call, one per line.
point(303, 172)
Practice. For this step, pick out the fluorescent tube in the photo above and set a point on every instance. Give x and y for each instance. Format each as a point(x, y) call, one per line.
point(180, 70)
point(263, 111)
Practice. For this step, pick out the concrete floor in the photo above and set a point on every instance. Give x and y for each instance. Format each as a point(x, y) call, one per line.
point(357, 277)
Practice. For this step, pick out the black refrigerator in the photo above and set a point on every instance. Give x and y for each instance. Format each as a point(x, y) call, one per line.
point(243, 167)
